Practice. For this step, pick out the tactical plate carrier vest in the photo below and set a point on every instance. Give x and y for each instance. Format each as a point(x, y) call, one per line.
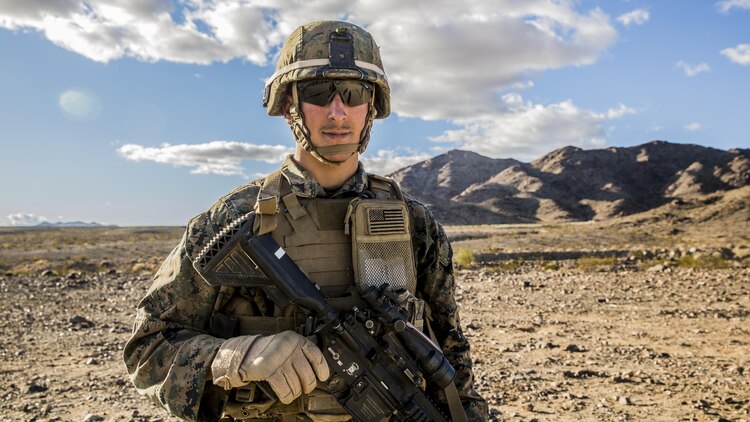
point(343, 245)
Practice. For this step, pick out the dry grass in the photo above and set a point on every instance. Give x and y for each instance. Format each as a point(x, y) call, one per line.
point(593, 263)
point(702, 262)
point(464, 257)
point(509, 266)
point(62, 250)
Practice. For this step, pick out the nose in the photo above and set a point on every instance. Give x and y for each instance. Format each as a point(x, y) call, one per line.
point(337, 109)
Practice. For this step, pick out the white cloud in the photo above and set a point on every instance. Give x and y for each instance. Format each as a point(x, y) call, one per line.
point(445, 59)
point(529, 130)
point(452, 60)
point(692, 69)
point(693, 127)
point(739, 54)
point(386, 161)
point(216, 157)
point(25, 219)
point(225, 157)
point(105, 30)
point(727, 5)
point(635, 17)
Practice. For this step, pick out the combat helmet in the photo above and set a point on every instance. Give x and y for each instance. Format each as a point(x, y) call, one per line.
point(332, 50)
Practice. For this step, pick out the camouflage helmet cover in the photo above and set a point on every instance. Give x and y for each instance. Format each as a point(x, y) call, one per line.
point(305, 55)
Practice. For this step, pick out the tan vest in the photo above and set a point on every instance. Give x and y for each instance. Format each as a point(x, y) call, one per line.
point(314, 232)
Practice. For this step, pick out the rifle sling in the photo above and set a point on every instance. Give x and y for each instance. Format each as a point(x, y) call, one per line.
point(451, 392)
point(226, 326)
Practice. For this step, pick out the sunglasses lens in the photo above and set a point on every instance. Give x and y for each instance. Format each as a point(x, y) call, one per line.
point(353, 93)
point(315, 92)
point(321, 92)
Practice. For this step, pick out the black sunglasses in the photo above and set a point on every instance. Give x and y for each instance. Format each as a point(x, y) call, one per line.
point(321, 91)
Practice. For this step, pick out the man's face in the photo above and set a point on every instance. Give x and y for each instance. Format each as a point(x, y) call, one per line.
point(334, 123)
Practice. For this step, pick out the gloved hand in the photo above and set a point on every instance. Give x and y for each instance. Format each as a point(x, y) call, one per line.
point(289, 362)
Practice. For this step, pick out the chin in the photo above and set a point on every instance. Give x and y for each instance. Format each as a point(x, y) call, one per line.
point(339, 157)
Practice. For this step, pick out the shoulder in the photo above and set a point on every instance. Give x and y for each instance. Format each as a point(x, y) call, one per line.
point(383, 187)
point(423, 221)
point(417, 208)
point(201, 228)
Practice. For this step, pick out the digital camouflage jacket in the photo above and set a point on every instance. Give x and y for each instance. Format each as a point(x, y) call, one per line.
point(171, 349)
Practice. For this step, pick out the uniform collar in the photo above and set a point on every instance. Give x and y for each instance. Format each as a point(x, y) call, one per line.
point(303, 183)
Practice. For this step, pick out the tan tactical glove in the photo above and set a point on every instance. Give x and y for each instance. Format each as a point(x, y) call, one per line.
point(287, 361)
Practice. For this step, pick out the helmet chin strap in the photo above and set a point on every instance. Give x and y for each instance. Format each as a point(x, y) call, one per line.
point(302, 133)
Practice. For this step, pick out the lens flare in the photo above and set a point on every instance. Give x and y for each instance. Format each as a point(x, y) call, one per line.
point(80, 105)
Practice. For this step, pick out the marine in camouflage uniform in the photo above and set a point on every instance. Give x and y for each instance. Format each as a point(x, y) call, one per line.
point(175, 341)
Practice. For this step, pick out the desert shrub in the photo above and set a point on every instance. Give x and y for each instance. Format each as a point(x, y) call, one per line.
point(141, 268)
point(464, 257)
point(507, 266)
point(702, 261)
point(30, 268)
point(550, 266)
point(588, 263)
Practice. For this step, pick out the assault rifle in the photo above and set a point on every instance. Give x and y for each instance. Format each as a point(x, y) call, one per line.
point(381, 365)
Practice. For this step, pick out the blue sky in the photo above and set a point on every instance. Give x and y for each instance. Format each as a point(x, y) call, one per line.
point(145, 112)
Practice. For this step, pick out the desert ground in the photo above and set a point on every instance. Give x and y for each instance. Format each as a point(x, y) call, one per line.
point(642, 318)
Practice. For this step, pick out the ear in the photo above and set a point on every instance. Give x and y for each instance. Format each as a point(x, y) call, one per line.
point(287, 105)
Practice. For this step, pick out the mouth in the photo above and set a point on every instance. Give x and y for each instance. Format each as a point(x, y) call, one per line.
point(336, 135)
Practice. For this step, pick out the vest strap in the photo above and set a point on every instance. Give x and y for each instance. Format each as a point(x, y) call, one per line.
point(387, 186)
point(267, 204)
point(297, 216)
point(296, 210)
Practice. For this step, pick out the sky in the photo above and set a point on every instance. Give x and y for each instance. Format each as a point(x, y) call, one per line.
point(145, 112)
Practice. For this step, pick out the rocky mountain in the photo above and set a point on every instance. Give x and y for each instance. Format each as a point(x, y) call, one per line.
point(571, 184)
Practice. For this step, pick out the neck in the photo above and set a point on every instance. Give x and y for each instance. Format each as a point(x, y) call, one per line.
point(328, 176)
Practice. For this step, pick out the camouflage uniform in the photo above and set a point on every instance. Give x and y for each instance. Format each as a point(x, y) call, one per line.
point(170, 353)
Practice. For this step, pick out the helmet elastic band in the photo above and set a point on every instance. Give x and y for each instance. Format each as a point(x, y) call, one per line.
point(319, 63)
